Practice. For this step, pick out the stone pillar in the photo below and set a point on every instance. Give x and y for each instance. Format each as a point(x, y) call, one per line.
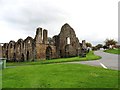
point(45, 36)
point(84, 44)
point(0, 51)
point(39, 35)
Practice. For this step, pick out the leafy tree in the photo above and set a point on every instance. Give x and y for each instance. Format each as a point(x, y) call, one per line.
point(99, 46)
point(94, 48)
point(88, 44)
point(105, 47)
point(109, 42)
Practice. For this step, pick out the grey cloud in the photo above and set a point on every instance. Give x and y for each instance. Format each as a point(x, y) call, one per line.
point(29, 15)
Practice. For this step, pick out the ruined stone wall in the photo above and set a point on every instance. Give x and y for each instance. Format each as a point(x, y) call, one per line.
point(19, 50)
point(0, 51)
point(54, 53)
point(84, 44)
point(38, 36)
point(68, 32)
point(5, 50)
point(56, 43)
point(66, 44)
point(29, 49)
point(69, 51)
point(11, 51)
point(45, 37)
point(41, 36)
point(41, 51)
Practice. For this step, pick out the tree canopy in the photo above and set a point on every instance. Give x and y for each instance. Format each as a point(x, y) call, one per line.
point(99, 46)
point(88, 44)
point(109, 42)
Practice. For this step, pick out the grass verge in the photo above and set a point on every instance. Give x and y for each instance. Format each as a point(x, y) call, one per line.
point(113, 51)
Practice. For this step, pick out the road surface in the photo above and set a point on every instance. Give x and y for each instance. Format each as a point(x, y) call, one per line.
point(108, 61)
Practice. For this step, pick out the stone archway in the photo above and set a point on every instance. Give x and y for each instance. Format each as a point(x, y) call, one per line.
point(27, 55)
point(49, 53)
point(69, 51)
point(6, 54)
point(22, 57)
point(14, 57)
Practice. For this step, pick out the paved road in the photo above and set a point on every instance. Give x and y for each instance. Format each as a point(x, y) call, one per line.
point(107, 61)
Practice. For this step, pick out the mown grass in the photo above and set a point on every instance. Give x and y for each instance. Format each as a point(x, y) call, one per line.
point(113, 51)
point(89, 56)
point(59, 76)
point(0, 78)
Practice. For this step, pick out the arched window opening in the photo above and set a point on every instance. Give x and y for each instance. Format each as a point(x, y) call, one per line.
point(22, 57)
point(10, 45)
point(68, 40)
point(49, 53)
point(27, 55)
point(14, 57)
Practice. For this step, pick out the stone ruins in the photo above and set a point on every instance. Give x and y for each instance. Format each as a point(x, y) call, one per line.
point(65, 44)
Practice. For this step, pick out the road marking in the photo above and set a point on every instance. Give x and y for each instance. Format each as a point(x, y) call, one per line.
point(103, 65)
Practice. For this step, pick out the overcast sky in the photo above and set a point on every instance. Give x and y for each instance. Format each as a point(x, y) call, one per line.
point(92, 20)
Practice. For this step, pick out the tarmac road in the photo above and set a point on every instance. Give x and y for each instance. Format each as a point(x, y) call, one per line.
point(108, 61)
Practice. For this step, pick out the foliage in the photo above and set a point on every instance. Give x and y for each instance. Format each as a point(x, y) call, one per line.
point(99, 46)
point(105, 47)
point(59, 76)
point(88, 44)
point(94, 48)
point(109, 42)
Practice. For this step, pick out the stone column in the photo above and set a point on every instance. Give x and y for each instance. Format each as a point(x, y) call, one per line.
point(0, 51)
point(84, 44)
point(45, 36)
point(39, 35)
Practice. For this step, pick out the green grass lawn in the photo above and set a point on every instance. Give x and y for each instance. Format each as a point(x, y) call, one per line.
point(59, 76)
point(113, 51)
point(89, 56)
point(0, 78)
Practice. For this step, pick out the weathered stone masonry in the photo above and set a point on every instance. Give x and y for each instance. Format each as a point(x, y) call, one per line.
point(65, 44)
